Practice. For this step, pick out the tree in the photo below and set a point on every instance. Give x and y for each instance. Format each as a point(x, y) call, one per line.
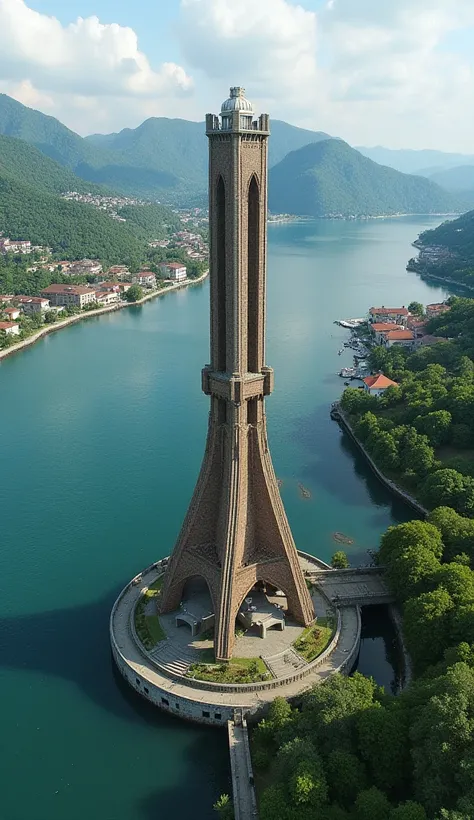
point(134, 293)
point(416, 308)
point(308, 783)
point(408, 811)
point(411, 534)
point(426, 626)
point(224, 807)
point(340, 560)
point(435, 425)
point(412, 571)
point(383, 742)
point(373, 804)
point(346, 776)
point(355, 401)
point(279, 713)
point(445, 488)
point(458, 580)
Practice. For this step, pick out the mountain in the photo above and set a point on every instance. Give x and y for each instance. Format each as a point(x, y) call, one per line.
point(69, 228)
point(164, 158)
point(27, 165)
point(408, 161)
point(453, 258)
point(331, 178)
point(460, 178)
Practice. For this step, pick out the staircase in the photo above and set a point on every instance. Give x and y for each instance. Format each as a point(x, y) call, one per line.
point(173, 658)
point(284, 663)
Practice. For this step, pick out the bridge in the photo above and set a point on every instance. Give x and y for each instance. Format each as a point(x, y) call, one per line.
point(365, 586)
point(243, 791)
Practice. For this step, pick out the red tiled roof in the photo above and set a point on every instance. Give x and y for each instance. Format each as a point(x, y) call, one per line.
point(401, 311)
point(6, 325)
point(402, 335)
point(379, 381)
point(77, 290)
point(381, 327)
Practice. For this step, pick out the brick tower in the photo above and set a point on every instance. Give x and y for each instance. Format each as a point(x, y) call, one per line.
point(236, 531)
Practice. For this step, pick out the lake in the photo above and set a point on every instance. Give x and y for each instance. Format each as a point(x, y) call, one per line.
point(102, 432)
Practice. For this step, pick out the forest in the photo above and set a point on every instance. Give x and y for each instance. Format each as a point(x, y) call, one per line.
point(349, 750)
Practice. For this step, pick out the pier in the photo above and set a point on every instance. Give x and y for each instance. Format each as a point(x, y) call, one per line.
point(243, 790)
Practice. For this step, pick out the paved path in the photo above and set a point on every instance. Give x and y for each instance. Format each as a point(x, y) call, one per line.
point(356, 587)
point(245, 803)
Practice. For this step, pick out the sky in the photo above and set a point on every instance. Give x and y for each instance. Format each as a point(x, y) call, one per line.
point(398, 73)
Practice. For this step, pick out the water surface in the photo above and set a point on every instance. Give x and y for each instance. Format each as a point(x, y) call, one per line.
point(102, 432)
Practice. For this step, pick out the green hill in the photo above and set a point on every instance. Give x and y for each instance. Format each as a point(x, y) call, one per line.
point(71, 229)
point(423, 162)
point(27, 165)
point(329, 178)
point(460, 178)
point(455, 261)
point(162, 158)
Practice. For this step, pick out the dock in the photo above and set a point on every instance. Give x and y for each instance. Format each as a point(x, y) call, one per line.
point(243, 790)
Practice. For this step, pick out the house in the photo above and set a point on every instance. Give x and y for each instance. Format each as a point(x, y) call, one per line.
point(10, 328)
point(15, 246)
point(75, 295)
point(107, 297)
point(6, 298)
point(403, 338)
point(416, 324)
point(174, 270)
point(146, 279)
point(397, 315)
point(436, 309)
point(109, 287)
point(118, 271)
point(11, 313)
point(428, 340)
point(32, 304)
point(380, 328)
point(84, 267)
point(377, 385)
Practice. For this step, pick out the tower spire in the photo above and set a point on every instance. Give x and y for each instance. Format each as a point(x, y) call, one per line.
point(236, 533)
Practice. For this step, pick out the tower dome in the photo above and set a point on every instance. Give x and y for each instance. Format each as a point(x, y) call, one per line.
point(237, 102)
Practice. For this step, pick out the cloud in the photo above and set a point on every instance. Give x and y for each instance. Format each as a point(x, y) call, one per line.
point(271, 44)
point(367, 70)
point(83, 60)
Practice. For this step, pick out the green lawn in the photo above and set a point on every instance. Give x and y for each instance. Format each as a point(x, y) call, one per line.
point(148, 627)
point(237, 670)
point(314, 640)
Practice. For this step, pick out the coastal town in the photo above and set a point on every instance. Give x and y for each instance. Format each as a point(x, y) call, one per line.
point(387, 327)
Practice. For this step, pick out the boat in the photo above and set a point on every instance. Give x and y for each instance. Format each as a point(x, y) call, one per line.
point(304, 492)
point(279, 482)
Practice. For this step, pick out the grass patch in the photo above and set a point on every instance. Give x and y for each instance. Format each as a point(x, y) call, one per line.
point(154, 588)
point(147, 627)
point(237, 670)
point(315, 639)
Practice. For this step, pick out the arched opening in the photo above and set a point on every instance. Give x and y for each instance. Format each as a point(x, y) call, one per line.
point(221, 275)
point(264, 607)
point(196, 609)
point(253, 255)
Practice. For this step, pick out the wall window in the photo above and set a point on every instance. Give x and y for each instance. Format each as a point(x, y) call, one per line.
point(146, 690)
point(217, 716)
point(137, 681)
point(177, 706)
point(206, 714)
point(165, 702)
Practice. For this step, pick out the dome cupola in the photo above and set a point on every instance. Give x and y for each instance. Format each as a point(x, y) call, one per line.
point(237, 102)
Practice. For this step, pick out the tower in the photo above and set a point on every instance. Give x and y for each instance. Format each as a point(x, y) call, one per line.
point(236, 532)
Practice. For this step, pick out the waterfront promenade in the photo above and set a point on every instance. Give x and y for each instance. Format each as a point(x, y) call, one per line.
point(71, 320)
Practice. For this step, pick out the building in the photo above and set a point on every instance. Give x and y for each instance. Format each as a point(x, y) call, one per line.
point(15, 246)
point(403, 338)
point(107, 297)
point(428, 340)
point(33, 304)
point(146, 279)
point(69, 295)
point(397, 315)
point(10, 328)
point(380, 328)
point(6, 298)
point(174, 270)
point(416, 324)
point(236, 535)
point(377, 385)
point(84, 267)
point(436, 310)
point(11, 313)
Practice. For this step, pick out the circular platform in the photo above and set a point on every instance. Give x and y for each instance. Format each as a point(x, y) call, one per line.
point(161, 674)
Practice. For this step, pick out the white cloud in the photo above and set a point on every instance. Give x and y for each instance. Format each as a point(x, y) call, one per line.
point(367, 70)
point(269, 44)
point(83, 60)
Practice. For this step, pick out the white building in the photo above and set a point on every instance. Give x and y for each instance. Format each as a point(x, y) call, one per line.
point(377, 385)
point(10, 328)
point(174, 270)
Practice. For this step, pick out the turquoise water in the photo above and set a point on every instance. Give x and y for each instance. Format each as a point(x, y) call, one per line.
point(102, 432)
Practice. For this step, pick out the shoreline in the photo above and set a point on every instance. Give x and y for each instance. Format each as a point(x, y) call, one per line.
point(35, 337)
point(441, 279)
point(338, 415)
